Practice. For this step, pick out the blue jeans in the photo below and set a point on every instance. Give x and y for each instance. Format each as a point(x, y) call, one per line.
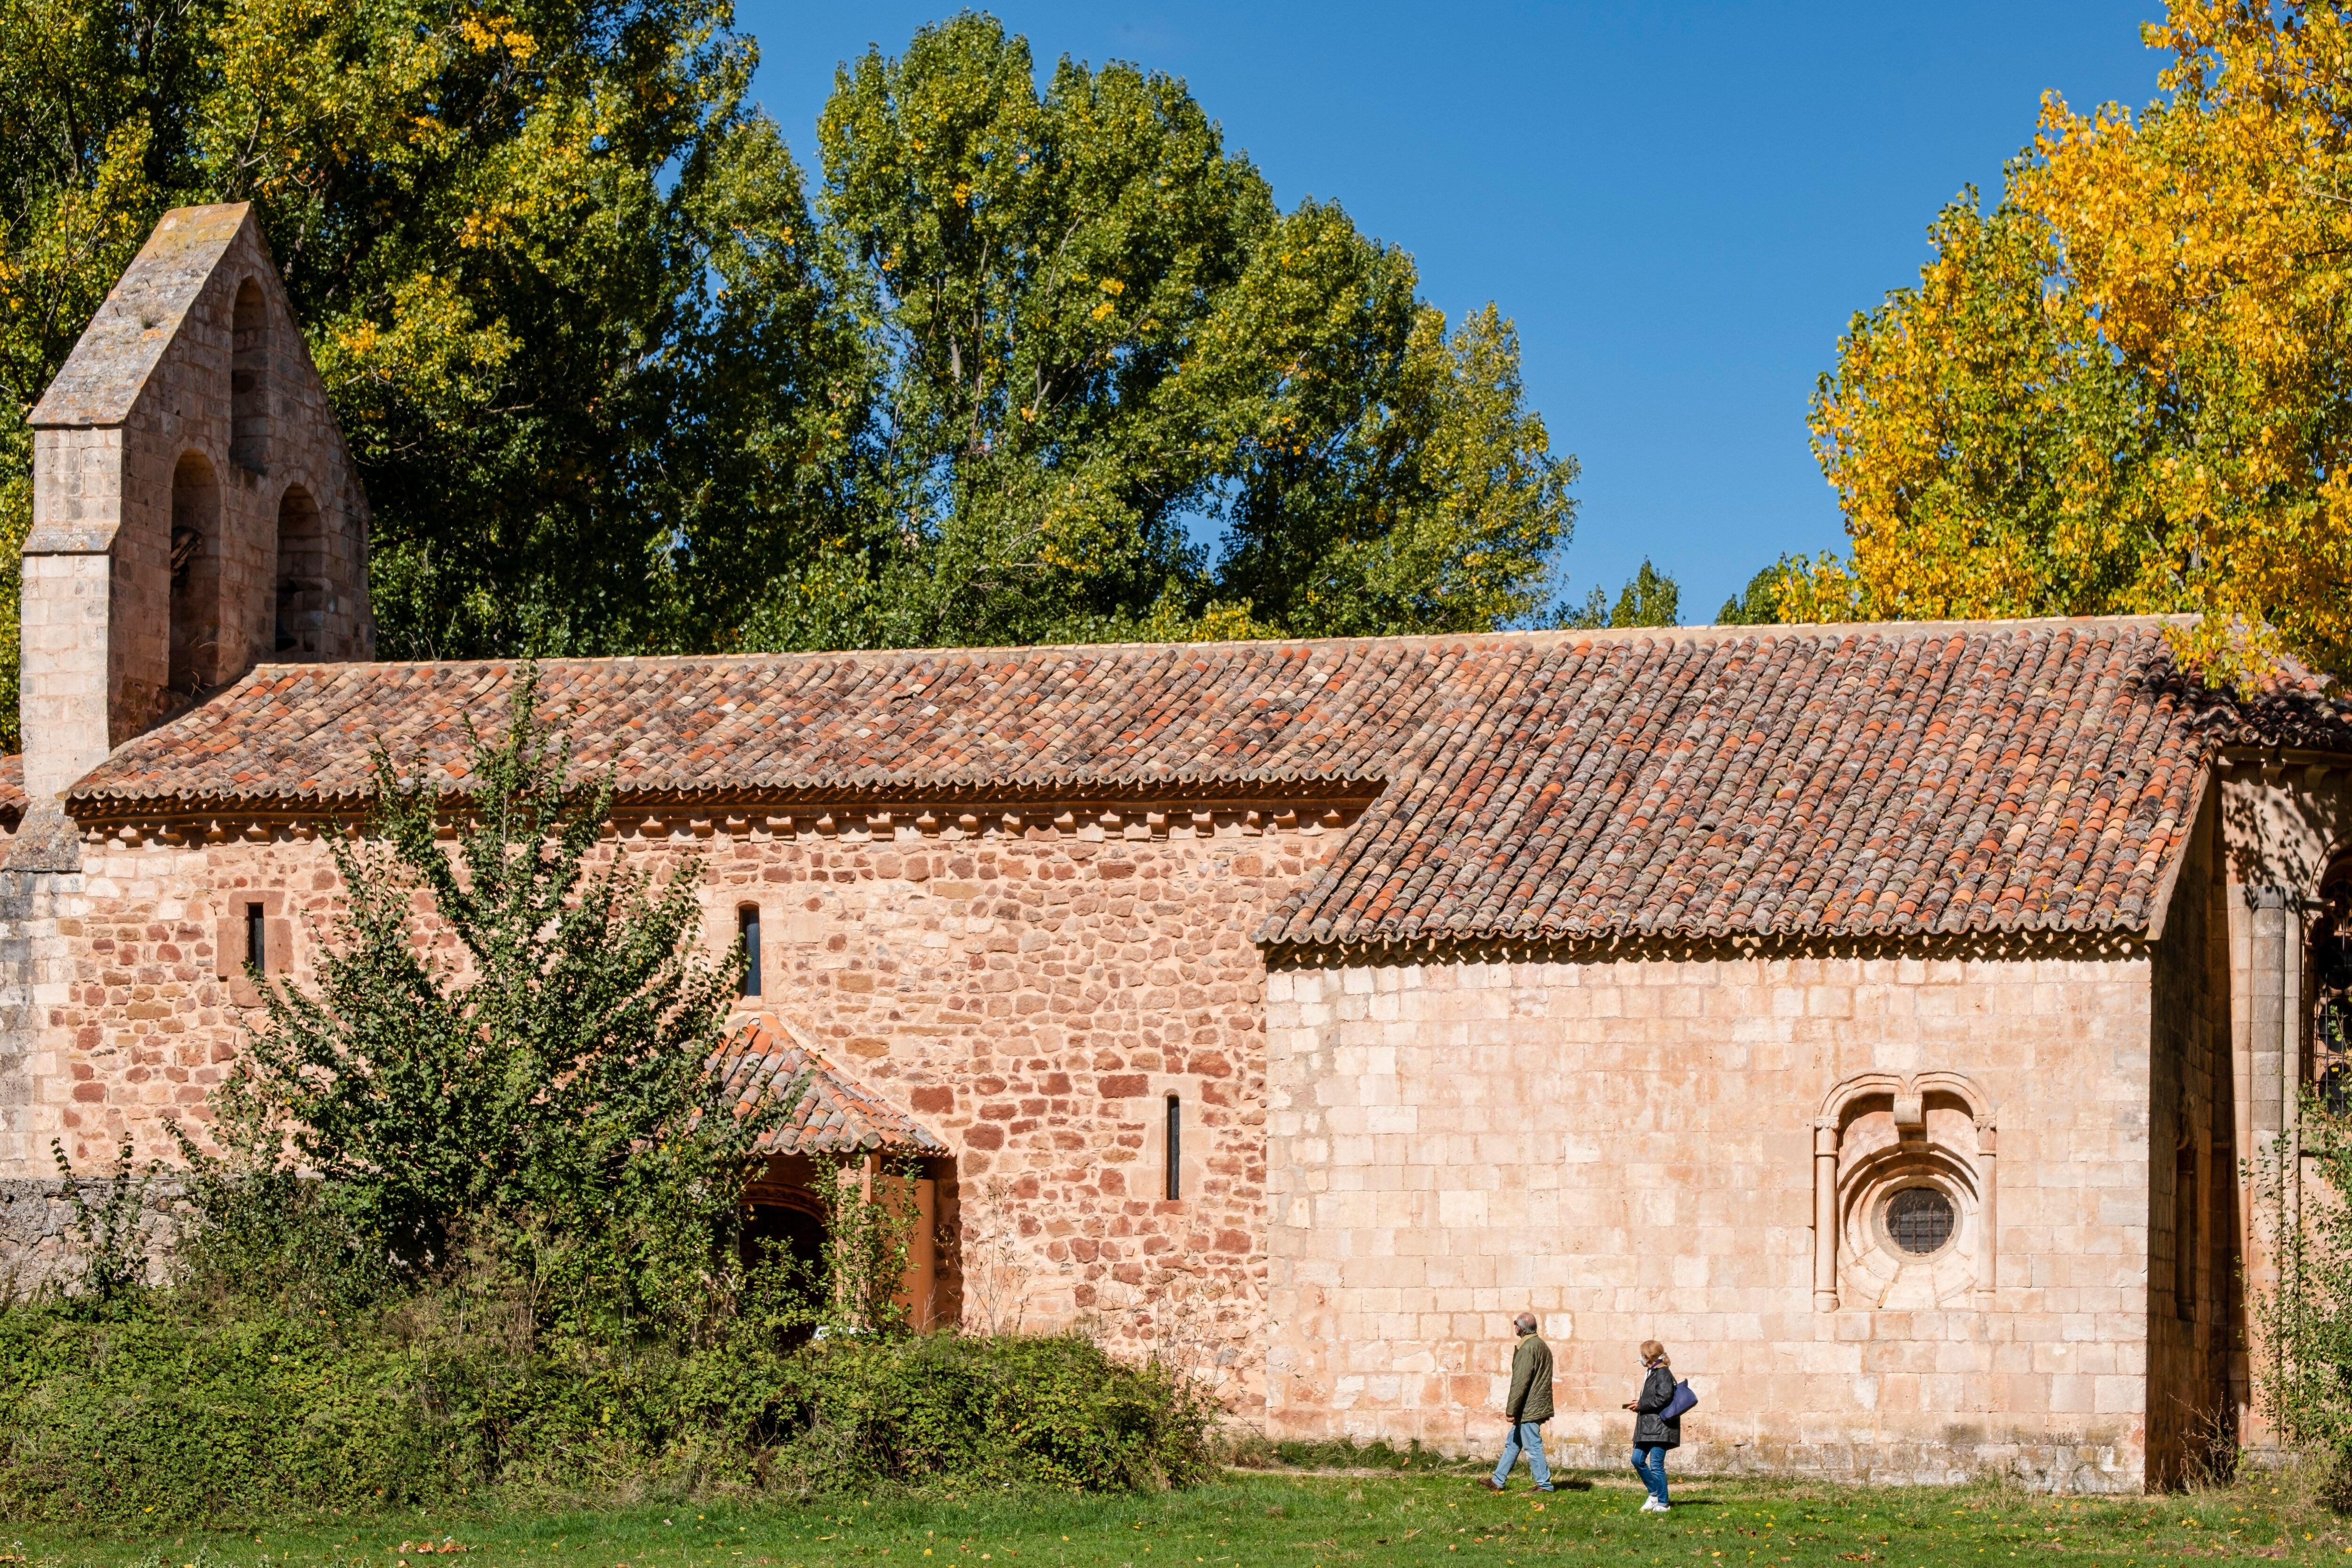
point(1650, 1464)
point(1527, 1435)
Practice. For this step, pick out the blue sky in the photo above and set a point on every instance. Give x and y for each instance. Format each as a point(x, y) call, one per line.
point(1680, 205)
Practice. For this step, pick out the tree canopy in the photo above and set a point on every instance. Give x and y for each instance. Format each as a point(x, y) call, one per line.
point(1028, 363)
point(1650, 598)
point(2119, 390)
point(517, 1034)
point(1095, 339)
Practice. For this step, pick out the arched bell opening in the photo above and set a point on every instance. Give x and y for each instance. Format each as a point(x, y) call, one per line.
point(248, 380)
point(195, 577)
point(299, 629)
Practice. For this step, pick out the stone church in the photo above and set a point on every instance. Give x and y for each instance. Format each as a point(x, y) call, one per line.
point(1877, 1014)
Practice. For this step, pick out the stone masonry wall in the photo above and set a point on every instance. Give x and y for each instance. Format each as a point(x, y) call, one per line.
point(1626, 1147)
point(1032, 999)
point(37, 963)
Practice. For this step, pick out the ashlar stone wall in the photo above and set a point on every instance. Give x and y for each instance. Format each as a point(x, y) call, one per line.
point(1626, 1146)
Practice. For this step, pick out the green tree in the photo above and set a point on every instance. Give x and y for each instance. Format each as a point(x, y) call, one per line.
point(1381, 475)
point(91, 152)
point(554, 271)
point(1757, 604)
point(1650, 598)
point(510, 1040)
point(1039, 364)
point(1095, 328)
point(552, 267)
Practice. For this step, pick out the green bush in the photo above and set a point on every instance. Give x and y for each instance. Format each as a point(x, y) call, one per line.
point(159, 1411)
point(479, 1231)
point(1033, 1412)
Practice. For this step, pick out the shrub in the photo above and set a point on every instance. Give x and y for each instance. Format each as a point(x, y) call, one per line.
point(110, 1418)
point(515, 1031)
point(2302, 1314)
point(222, 1417)
point(1055, 1411)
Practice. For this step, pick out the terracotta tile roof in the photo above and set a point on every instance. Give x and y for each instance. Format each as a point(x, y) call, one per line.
point(1813, 780)
point(837, 1114)
point(1034, 719)
point(1836, 781)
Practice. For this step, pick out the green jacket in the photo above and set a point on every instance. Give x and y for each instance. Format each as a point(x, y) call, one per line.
point(1530, 1381)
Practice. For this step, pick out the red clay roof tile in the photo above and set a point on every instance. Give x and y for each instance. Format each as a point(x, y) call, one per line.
point(1717, 781)
point(837, 1114)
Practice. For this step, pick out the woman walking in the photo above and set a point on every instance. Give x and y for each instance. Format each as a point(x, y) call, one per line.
point(1654, 1433)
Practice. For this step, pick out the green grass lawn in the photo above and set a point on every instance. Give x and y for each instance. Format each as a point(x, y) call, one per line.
point(1307, 1519)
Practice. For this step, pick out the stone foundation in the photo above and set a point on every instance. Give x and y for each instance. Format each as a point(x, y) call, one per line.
point(39, 1248)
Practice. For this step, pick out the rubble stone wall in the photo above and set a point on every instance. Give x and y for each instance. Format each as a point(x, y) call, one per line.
point(1032, 998)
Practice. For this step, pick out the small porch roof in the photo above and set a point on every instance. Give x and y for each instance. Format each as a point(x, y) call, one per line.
point(836, 1115)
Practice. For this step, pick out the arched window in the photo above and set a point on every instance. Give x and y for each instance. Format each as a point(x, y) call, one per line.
point(1905, 1194)
point(195, 574)
point(302, 628)
point(249, 381)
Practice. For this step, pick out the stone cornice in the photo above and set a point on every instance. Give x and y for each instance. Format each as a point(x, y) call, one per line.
point(815, 820)
point(1677, 947)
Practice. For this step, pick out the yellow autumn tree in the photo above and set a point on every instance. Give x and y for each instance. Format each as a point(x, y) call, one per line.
point(2125, 388)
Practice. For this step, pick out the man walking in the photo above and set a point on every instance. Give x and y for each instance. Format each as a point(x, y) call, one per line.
point(1529, 1408)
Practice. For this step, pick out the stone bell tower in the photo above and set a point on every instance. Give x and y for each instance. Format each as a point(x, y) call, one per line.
point(194, 510)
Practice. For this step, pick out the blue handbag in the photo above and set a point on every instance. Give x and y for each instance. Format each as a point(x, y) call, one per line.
point(1683, 1401)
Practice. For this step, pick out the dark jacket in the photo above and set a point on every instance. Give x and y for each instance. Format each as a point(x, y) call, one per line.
point(1657, 1392)
point(1530, 1397)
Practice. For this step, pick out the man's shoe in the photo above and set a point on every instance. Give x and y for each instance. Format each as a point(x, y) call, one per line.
point(1650, 1505)
point(1490, 1484)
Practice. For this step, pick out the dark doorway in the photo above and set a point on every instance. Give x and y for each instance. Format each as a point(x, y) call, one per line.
point(799, 1232)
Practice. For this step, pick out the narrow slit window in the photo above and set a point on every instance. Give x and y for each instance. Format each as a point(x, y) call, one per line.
point(747, 921)
point(257, 940)
point(1175, 1149)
